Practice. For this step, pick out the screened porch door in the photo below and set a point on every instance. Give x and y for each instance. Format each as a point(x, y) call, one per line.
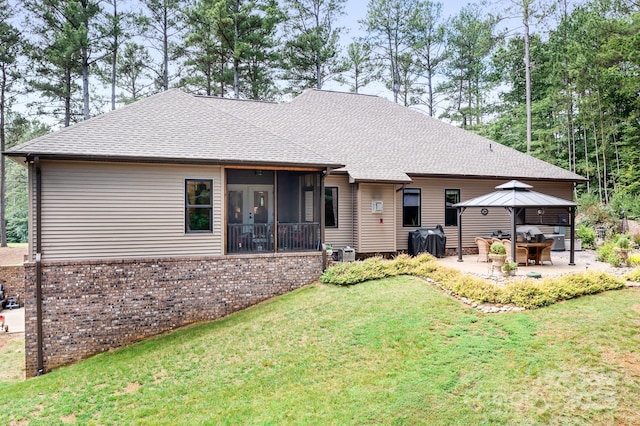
point(250, 216)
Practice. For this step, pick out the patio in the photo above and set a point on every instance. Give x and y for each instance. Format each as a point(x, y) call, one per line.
point(584, 261)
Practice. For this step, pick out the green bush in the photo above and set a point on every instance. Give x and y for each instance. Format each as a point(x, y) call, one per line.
point(633, 275)
point(624, 241)
point(634, 259)
point(594, 212)
point(498, 248)
point(588, 236)
point(528, 293)
point(606, 253)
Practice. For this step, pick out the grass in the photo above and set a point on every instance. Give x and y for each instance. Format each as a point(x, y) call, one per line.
point(393, 351)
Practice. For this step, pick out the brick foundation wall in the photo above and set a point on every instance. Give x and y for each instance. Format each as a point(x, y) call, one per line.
point(93, 306)
point(13, 279)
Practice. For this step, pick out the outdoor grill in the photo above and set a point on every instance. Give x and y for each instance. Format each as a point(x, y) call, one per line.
point(430, 240)
point(529, 234)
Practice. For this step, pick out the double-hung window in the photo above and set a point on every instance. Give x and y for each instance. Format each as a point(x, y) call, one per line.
point(331, 207)
point(411, 207)
point(451, 197)
point(198, 205)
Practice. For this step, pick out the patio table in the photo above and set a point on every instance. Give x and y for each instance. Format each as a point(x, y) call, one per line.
point(535, 248)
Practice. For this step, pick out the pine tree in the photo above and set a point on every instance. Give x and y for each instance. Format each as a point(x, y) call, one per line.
point(11, 44)
point(311, 53)
point(388, 26)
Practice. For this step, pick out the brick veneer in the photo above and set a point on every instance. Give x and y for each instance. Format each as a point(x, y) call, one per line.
point(93, 306)
point(13, 279)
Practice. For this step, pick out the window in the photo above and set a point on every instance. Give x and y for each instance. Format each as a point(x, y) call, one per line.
point(198, 206)
point(411, 207)
point(331, 207)
point(451, 197)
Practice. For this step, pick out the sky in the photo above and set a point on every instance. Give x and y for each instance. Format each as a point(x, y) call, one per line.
point(357, 9)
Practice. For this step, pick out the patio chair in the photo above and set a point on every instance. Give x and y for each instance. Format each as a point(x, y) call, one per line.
point(545, 255)
point(483, 249)
point(522, 254)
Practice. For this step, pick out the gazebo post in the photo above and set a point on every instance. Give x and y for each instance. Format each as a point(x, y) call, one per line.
point(460, 211)
point(572, 230)
point(512, 213)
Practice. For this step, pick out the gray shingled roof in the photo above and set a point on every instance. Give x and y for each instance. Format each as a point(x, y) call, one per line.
point(378, 140)
point(375, 139)
point(172, 126)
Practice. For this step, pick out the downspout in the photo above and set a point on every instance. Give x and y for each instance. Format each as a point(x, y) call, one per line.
point(39, 266)
point(322, 216)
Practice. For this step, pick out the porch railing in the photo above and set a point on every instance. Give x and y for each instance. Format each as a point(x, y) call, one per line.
point(261, 237)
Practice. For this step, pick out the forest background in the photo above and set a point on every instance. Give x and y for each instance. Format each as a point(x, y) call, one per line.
point(558, 79)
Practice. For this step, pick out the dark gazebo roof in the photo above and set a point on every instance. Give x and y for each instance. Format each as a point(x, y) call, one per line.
point(515, 194)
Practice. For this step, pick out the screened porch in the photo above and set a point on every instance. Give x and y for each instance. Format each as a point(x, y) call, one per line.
point(272, 211)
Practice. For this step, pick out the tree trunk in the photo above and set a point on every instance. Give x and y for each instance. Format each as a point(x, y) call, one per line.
point(527, 71)
point(67, 97)
point(114, 54)
point(595, 144)
point(85, 83)
point(165, 49)
point(3, 223)
point(236, 59)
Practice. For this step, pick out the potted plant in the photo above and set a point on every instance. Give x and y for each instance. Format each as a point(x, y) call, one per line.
point(623, 247)
point(510, 267)
point(329, 249)
point(497, 253)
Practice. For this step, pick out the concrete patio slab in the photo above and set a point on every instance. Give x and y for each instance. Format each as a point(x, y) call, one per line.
point(585, 260)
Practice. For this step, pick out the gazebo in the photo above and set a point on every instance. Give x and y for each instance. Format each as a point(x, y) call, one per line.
point(516, 197)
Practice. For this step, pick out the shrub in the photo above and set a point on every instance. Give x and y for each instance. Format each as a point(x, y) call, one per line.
point(634, 260)
point(607, 254)
point(587, 234)
point(594, 212)
point(623, 241)
point(528, 293)
point(633, 275)
point(498, 248)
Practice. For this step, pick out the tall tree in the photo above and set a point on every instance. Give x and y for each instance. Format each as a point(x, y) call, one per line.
point(389, 27)
point(205, 62)
point(427, 43)
point(113, 28)
point(11, 44)
point(311, 53)
point(63, 29)
point(246, 31)
point(132, 73)
point(471, 39)
point(162, 24)
point(19, 130)
point(359, 69)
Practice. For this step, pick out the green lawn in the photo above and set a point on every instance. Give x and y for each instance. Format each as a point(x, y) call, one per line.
point(394, 351)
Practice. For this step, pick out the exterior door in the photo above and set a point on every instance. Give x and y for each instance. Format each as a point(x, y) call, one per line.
point(250, 204)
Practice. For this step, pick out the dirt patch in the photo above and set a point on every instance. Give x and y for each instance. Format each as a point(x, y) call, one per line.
point(630, 362)
point(13, 255)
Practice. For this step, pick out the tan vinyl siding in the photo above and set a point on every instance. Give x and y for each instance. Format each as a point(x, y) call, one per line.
point(376, 236)
point(118, 210)
point(343, 235)
point(473, 222)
